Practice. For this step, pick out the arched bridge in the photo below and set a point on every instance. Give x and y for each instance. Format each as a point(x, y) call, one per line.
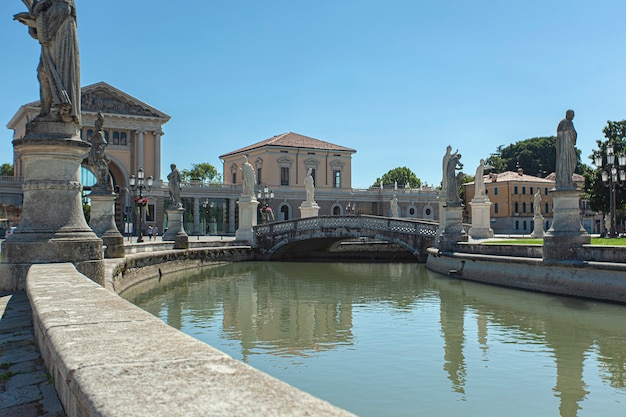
point(302, 238)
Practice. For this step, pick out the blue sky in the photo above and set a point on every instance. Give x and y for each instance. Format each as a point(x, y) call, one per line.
point(397, 80)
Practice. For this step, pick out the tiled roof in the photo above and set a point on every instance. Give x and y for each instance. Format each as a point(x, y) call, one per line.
point(510, 176)
point(292, 140)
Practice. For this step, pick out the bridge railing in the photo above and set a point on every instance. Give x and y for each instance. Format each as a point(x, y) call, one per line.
point(384, 224)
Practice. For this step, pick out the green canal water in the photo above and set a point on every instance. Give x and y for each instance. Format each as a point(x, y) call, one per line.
point(399, 340)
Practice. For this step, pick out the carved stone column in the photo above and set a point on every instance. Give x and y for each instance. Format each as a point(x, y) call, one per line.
point(157, 155)
point(140, 148)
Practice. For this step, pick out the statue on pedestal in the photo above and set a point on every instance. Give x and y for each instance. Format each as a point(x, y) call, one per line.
point(98, 160)
point(173, 185)
point(537, 202)
point(53, 24)
point(566, 157)
point(444, 167)
point(394, 207)
point(249, 178)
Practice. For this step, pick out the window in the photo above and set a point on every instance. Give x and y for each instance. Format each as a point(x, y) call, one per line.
point(524, 224)
point(284, 175)
point(532, 207)
point(516, 207)
point(336, 211)
point(516, 224)
point(313, 175)
point(531, 191)
point(495, 208)
point(106, 135)
point(495, 190)
point(547, 207)
point(234, 178)
point(89, 134)
point(258, 176)
point(150, 213)
point(284, 212)
point(412, 211)
point(515, 190)
point(524, 208)
point(116, 138)
point(523, 190)
point(336, 179)
point(123, 138)
point(545, 191)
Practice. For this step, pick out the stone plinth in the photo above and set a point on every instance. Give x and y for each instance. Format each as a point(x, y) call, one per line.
point(102, 222)
point(309, 209)
point(175, 230)
point(453, 231)
point(52, 227)
point(538, 228)
point(481, 219)
point(247, 218)
point(567, 235)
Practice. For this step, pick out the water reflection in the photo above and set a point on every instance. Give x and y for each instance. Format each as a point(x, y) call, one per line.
point(299, 310)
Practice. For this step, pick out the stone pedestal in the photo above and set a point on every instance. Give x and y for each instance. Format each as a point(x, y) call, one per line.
point(102, 222)
point(175, 230)
point(567, 235)
point(453, 232)
point(481, 219)
point(309, 209)
point(247, 218)
point(538, 228)
point(52, 227)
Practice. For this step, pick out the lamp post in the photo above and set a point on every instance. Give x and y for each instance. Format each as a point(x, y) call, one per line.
point(613, 176)
point(265, 196)
point(210, 219)
point(140, 183)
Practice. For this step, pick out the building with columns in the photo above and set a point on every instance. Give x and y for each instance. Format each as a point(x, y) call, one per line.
point(133, 130)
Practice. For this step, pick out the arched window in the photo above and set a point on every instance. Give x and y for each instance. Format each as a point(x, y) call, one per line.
point(284, 211)
point(336, 210)
point(123, 138)
point(116, 138)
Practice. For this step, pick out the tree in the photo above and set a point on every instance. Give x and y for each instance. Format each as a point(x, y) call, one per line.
point(536, 156)
point(6, 170)
point(595, 190)
point(202, 172)
point(401, 175)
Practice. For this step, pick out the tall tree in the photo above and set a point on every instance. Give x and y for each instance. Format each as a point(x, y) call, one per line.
point(6, 170)
point(595, 190)
point(401, 175)
point(536, 156)
point(203, 172)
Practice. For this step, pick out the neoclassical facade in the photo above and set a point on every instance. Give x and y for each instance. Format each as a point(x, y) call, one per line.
point(133, 130)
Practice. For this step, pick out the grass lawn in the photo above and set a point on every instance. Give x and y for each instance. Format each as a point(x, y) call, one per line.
point(601, 241)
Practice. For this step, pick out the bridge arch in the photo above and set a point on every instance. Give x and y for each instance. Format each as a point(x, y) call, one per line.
point(317, 234)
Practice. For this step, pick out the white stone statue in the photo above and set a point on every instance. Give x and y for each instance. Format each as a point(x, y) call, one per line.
point(394, 207)
point(479, 180)
point(537, 202)
point(173, 185)
point(53, 24)
point(249, 178)
point(453, 180)
point(309, 186)
point(566, 157)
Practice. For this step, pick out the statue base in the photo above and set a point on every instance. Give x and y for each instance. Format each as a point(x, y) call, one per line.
point(538, 228)
point(481, 219)
point(52, 227)
point(175, 230)
point(567, 235)
point(247, 218)
point(453, 232)
point(102, 222)
point(309, 209)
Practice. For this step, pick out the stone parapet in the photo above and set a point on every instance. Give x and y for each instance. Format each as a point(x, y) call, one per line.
point(108, 358)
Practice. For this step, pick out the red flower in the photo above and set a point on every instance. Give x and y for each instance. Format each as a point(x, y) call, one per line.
point(143, 200)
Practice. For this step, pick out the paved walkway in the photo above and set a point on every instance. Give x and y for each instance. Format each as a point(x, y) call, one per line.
point(25, 388)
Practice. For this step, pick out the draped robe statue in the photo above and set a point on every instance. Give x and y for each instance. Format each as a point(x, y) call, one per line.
point(53, 24)
point(566, 157)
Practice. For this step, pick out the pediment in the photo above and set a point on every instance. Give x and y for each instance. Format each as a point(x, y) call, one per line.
point(102, 97)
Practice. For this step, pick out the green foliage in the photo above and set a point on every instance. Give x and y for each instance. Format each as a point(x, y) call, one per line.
point(595, 190)
point(201, 172)
point(6, 170)
point(402, 175)
point(536, 156)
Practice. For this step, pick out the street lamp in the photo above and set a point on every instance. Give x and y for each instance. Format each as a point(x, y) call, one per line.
point(211, 225)
point(613, 176)
point(139, 183)
point(265, 196)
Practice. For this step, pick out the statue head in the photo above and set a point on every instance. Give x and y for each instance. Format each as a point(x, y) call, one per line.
point(173, 167)
point(569, 115)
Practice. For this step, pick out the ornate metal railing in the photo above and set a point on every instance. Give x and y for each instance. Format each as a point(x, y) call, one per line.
point(383, 224)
